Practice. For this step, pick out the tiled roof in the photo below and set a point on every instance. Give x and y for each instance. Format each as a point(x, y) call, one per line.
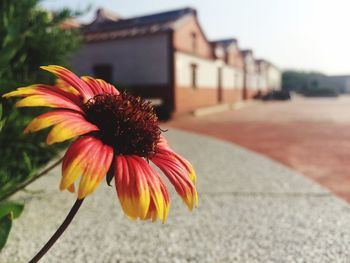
point(261, 61)
point(141, 25)
point(245, 52)
point(224, 42)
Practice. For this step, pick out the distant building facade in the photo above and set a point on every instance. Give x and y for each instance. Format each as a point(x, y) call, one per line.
point(229, 65)
point(340, 83)
point(166, 57)
point(305, 82)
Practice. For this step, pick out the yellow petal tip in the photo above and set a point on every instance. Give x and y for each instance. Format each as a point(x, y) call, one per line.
point(50, 68)
point(45, 67)
point(49, 141)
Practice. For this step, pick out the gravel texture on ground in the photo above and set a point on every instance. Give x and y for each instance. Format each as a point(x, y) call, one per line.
point(251, 209)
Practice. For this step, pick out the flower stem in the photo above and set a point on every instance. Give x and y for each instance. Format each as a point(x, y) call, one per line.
point(59, 231)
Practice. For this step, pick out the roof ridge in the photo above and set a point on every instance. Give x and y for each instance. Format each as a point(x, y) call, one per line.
point(186, 10)
point(137, 21)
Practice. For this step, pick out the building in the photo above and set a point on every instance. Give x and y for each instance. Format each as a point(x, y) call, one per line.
point(316, 83)
point(340, 83)
point(230, 70)
point(166, 57)
point(262, 69)
point(250, 80)
point(274, 77)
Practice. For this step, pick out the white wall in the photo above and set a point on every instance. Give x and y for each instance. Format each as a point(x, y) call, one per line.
point(239, 79)
point(207, 72)
point(252, 77)
point(262, 82)
point(252, 80)
point(135, 61)
point(249, 64)
point(274, 78)
point(228, 77)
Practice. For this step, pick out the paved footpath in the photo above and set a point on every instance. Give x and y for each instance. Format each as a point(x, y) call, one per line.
point(251, 210)
point(311, 136)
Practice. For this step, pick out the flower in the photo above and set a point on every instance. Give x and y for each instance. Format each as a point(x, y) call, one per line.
point(117, 134)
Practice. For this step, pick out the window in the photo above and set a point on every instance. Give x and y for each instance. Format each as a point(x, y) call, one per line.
point(194, 75)
point(103, 72)
point(194, 41)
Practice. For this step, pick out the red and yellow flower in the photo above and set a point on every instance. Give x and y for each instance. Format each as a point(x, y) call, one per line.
point(117, 134)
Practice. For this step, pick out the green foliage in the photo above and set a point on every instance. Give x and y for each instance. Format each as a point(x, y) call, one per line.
point(320, 92)
point(294, 80)
point(5, 227)
point(11, 207)
point(8, 212)
point(312, 84)
point(2, 122)
point(29, 37)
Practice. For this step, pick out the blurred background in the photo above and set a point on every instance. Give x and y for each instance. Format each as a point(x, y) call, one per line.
point(272, 76)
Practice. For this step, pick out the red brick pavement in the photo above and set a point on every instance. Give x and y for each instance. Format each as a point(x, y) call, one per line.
point(311, 136)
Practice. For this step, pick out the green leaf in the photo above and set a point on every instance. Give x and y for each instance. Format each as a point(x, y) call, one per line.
point(27, 161)
point(11, 207)
point(30, 36)
point(5, 227)
point(2, 123)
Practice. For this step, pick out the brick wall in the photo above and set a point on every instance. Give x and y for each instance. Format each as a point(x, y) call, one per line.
point(188, 99)
point(251, 93)
point(183, 39)
point(234, 58)
point(232, 95)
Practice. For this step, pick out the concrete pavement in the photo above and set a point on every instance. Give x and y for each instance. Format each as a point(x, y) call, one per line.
point(251, 209)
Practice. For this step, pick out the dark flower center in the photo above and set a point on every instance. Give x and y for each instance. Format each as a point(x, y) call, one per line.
point(126, 123)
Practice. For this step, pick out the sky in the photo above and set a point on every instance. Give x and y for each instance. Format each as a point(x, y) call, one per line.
point(311, 35)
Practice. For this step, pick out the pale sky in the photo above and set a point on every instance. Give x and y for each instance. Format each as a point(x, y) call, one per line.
point(293, 34)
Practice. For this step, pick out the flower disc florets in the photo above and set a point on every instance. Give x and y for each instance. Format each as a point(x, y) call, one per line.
point(126, 123)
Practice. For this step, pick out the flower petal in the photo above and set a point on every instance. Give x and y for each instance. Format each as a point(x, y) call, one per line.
point(152, 211)
point(88, 157)
point(140, 189)
point(69, 124)
point(164, 147)
point(187, 165)
point(66, 87)
point(45, 95)
point(178, 176)
point(71, 79)
point(99, 86)
point(71, 188)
